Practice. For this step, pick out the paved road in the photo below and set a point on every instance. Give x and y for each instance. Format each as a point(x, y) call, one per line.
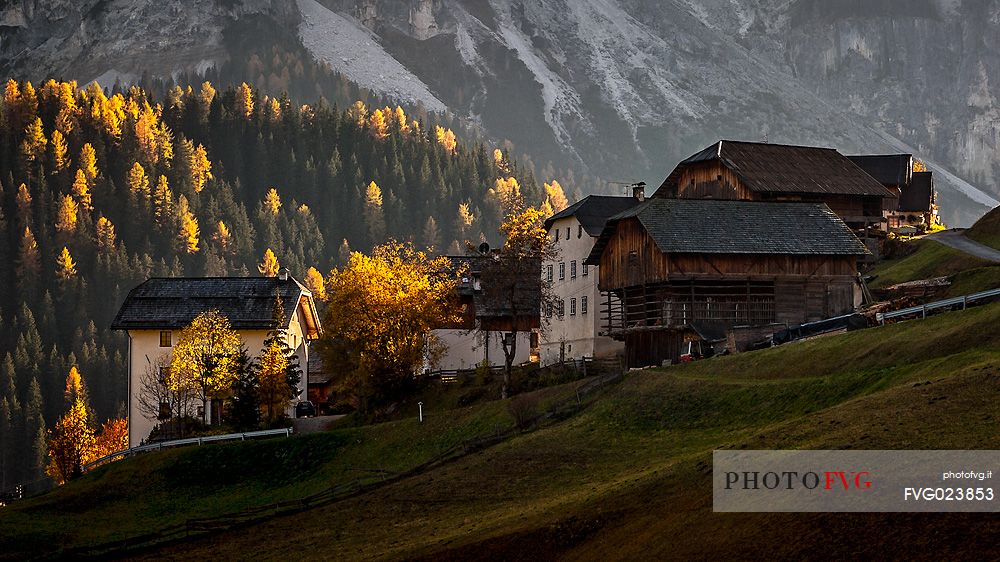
point(314, 425)
point(956, 239)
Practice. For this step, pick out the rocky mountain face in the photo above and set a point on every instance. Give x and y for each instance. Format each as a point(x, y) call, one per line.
point(620, 89)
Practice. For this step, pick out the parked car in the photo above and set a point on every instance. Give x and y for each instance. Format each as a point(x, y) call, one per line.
point(305, 409)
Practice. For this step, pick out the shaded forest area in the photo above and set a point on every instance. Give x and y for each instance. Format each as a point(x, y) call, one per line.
point(100, 190)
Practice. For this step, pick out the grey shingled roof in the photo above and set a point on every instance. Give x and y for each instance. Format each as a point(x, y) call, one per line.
point(174, 302)
point(705, 226)
point(781, 168)
point(919, 195)
point(593, 211)
point(889, 169)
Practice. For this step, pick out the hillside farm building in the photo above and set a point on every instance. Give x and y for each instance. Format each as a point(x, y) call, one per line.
point(681, 270)
point(573, 328)
point(749, 171)
point(155, 312)
point(914, 203)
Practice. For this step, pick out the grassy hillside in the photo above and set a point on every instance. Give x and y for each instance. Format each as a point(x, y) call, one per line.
point(930, 259)
point(628, 477)
point(987, 229)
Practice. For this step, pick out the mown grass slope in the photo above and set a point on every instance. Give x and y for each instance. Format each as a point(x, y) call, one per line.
point(930, 259)
point(628, 477)
point(987, 229)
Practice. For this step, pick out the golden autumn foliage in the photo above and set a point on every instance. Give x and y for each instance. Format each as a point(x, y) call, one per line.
point(105, 234)
point(500, 161)
point(189, 235)
point(919, 166)
point(244, 100)
point(81, 190)
point(272, 202)
point(201, 168)
point(88, 161)
point(379, 125)
point(33, 145)
point(507, 194)
point(65, 266)
point(381, 310)
point(73, 442)
point(374, 214)
point(273, 386)
point(223, 237)
point(163, 202)
point(137, 181)
point(556, 197)
point(59, 148)
point(465, 216)
point(206, 357)
point(446, 138)
point(314, 282)
point(66, 217)
point(269, 266)
point(23, 202)
point(70, 443)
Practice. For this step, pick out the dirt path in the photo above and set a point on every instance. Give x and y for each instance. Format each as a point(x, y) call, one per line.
point(314, 425)
point(957, 240)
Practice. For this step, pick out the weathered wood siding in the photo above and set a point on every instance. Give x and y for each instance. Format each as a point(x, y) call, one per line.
point(631, 258)
point(711, 180)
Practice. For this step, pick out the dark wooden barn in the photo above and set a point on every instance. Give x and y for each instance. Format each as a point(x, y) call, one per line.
point(915, 200)
point(749, 171)
point(687, 269)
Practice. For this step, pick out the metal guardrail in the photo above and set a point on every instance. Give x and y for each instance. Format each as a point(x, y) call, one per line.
point(923, 309)
point(287, 432)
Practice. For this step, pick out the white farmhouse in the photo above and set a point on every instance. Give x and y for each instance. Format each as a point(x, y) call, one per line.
point(155, 312)
point(573, 326)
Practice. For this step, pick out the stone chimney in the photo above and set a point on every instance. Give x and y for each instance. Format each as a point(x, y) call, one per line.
point(283, 274)
point(639, 191)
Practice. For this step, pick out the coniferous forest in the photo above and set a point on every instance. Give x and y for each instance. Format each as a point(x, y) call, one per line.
point(102, 189)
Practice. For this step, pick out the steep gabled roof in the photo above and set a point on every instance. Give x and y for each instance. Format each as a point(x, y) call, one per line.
point(780, 168)
point(888, 169)
point(173, 302)
point(919, 195)
point(705, 226)
point(593, 211)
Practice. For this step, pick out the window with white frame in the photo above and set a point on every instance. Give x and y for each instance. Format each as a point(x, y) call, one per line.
point(548, 273)
point(562, 270)
point(572, 307)
point(572, 269)
point(586, 269)
point(583, 305)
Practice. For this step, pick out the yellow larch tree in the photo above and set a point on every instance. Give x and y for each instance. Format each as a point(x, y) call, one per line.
point(272, 379)
point(206, 357)
point(244, 100)
point(374, 214)
point(34, 143)
point(269, 266)
point(223, 237)
point(163, 202)
point(314, 282)
point(70, 443)
point(507, 194)
point(81, 191)
point(24, 204)
point(556, 196)
point(272, 202)
point(138, 182)
point(67, 216)
point(201, 168)
point(88, 161)
point(500, 161)
point(65, 266)
point(189, 235)
point(60, 161)
point(359, 112)
point(446, 138)
point(106, 236)
point(379, 125)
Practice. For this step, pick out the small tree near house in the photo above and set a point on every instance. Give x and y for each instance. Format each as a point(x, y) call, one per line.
point(278, 369)
point(513, 289)
point(205, 358)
